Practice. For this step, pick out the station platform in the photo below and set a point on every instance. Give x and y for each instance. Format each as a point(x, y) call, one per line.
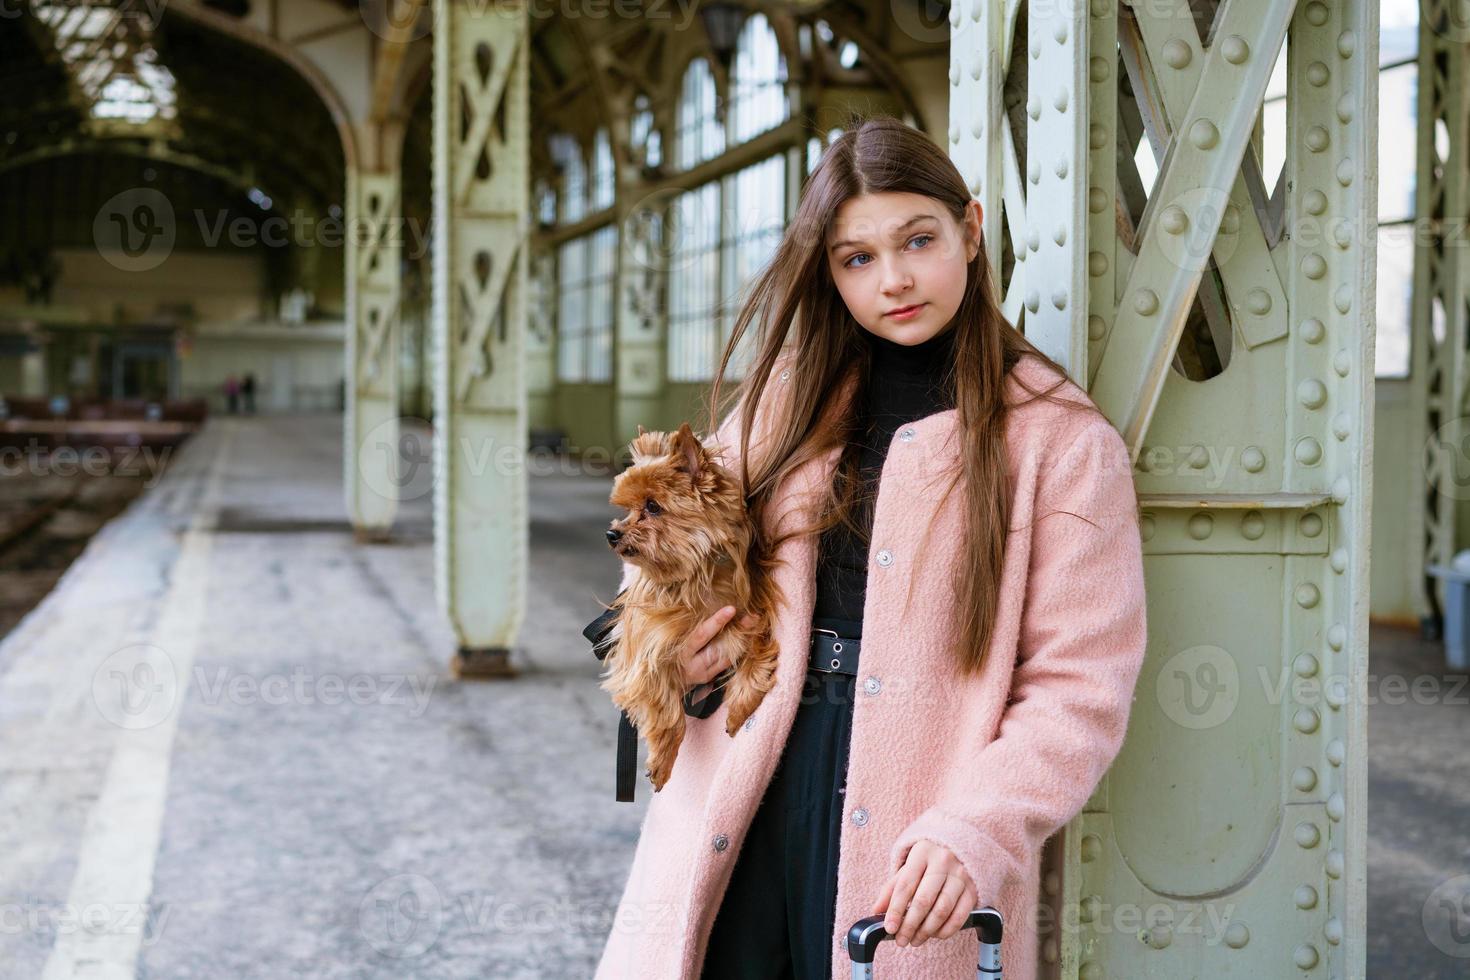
point(230, 745)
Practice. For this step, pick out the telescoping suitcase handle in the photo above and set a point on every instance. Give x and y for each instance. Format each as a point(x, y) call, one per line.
point(865, 935)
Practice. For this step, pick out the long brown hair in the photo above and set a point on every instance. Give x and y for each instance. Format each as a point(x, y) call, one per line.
point(799, 310)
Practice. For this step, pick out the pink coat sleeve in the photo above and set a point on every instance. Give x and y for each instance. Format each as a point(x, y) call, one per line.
point(1080, 649)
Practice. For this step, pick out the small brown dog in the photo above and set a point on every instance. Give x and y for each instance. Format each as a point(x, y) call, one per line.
point(688, 534)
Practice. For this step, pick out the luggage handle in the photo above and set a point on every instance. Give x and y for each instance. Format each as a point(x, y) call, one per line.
point(865, 935)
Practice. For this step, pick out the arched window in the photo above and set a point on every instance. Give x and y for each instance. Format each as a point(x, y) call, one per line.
point(700, 136)
point(758, 97)
point(724, 232)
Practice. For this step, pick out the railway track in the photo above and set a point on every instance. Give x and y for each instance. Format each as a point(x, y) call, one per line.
point(46, 520)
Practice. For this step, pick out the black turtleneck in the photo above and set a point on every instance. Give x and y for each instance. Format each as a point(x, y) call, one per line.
point(906, 383)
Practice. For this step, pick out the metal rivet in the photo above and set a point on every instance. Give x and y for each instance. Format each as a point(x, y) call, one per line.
point(860, 817)
point(721, 842)
point(785, 375)
point(907, 435)
point(885, 558)
point(872, 685)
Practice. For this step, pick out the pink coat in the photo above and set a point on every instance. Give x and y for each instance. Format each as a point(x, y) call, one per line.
point(989, 766)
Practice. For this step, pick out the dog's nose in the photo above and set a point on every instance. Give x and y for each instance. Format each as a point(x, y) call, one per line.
point(613, 535)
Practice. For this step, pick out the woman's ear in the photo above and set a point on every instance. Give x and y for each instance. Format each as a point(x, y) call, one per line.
point(974, 228)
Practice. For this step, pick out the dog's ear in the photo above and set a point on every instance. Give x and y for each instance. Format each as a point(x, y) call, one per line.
point(688, 453)
point(640, 428)
point(648, 446)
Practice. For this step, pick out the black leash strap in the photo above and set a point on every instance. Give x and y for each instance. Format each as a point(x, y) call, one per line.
point(627, 764)
point(627, 758)
point(626, 774)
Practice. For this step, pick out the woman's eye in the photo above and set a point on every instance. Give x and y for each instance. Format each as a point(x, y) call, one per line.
point(849, 263)
point(651, 507)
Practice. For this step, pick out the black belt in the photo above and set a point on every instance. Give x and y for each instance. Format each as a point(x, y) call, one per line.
point(833, 654)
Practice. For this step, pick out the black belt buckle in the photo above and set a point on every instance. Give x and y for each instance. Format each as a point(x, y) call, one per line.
point(833, 654)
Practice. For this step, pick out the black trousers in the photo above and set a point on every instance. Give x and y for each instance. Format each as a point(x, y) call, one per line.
point(776, 921)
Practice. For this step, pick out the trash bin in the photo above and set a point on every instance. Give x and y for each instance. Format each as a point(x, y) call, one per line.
point(1456, 579)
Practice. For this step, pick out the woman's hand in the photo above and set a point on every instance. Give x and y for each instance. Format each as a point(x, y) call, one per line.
point(699, 656)
point(935, 889)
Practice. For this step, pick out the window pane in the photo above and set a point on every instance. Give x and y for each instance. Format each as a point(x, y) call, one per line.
point(693, 281)
point(755, 217)
point(568, 155)
point(1398, 94)
point(604, 176)
point(1273, 142)
point(586, 268)
point(571, 334)
point(758, 100)
point(1398, 30)
point(699, 136)
point(1395, 298)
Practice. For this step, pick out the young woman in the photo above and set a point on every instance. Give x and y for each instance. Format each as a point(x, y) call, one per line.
point(956, 535)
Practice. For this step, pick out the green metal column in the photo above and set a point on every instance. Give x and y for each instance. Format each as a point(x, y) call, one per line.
point(1229, 838)
point(481, 213)
point(1439, 384)
point(370, 422)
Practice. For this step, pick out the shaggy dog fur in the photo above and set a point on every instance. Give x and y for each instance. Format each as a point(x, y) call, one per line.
point(688, 534)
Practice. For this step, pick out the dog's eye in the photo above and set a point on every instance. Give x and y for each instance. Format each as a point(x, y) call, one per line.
point(651, 506)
